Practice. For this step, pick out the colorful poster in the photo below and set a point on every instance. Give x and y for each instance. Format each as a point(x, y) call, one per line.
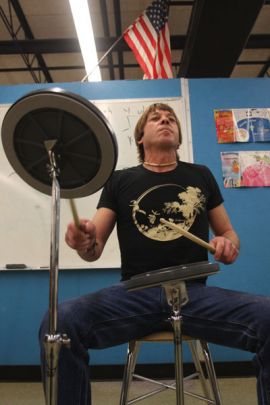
point(231, 169)
point(246, 169)
point(243, 125)
point(225, 126)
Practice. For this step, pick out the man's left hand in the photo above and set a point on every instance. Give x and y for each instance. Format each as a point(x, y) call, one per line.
point(226, 251)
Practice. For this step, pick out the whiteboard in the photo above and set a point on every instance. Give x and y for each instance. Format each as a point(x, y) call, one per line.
point(25, 219)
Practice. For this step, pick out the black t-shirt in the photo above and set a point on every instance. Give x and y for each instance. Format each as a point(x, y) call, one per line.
point(140, 197)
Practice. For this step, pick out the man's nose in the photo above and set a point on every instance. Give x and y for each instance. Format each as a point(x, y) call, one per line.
point(164, 120)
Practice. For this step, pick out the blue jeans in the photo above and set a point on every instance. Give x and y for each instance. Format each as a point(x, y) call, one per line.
point(113, 316)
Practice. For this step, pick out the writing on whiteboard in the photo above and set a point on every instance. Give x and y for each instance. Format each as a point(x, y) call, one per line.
point(26, 213)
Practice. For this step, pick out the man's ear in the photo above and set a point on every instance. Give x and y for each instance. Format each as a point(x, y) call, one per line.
point(140, 141)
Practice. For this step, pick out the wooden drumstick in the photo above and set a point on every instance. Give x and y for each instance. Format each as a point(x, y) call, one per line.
point(188, 235)
point(74, 212)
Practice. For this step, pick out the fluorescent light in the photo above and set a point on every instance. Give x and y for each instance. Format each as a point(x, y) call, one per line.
point(83, 25)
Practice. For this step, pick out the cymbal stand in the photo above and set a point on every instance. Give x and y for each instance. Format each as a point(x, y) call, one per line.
point(53, 341)
point(177, 297)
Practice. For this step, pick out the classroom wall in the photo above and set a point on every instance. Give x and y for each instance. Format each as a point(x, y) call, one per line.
point(248, 207)
point(24, 294)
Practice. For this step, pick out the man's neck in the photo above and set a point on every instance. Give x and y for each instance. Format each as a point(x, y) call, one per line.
point(160, 166)
point(160, 162)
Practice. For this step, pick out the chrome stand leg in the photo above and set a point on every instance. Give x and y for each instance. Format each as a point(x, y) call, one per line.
point(177, 297)
point(176, 323)
point(53, 341)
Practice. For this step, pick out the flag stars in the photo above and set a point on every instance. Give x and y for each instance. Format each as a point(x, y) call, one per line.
point(149, 38)
point(157, 13)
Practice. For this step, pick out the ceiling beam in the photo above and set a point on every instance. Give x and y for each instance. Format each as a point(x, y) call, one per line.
point(28, 33)
point(263, 71)
point(258, 41)
point(106, 28)
point(57, 45)
point(118, 27)
point(218, 32)
point(127, 66)
point(69, 45)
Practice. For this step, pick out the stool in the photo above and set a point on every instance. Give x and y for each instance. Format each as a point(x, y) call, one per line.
point(173, 281)
point(198, 349)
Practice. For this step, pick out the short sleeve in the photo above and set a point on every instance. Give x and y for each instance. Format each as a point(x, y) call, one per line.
point(107, 198)
point(215, 196)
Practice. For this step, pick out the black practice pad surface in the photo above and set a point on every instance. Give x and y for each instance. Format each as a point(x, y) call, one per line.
point(169, 275)
point(85, 148)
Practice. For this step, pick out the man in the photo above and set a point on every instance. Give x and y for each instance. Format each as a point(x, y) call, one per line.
point(135, 199)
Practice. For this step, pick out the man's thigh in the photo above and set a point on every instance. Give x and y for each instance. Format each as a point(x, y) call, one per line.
point(113, 315)
point(227, 317)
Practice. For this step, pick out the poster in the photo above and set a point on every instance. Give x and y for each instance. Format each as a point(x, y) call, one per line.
point(243, 125)
point(246, 169)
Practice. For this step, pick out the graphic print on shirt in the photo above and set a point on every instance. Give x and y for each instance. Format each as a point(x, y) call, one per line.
point(171, 202)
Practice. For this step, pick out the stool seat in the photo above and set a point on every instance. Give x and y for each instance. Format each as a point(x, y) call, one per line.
point(164, 336)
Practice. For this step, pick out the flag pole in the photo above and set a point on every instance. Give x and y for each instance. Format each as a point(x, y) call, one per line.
point(101, 59)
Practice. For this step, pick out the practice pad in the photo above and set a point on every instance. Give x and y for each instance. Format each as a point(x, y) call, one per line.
point(169, 275)
point(85, 148)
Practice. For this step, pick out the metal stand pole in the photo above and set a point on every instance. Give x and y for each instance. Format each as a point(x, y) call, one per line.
point(177, 296)
point(53, 341)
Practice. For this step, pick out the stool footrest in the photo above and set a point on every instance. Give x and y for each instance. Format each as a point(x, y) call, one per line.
point(200, 354)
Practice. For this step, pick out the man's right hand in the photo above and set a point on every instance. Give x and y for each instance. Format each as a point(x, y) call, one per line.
point(82, 238)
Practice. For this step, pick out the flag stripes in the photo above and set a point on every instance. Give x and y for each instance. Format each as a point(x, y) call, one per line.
point(149, 39)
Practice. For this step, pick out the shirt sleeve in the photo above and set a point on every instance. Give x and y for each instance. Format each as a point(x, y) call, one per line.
point(107, 198)
point(215, 196)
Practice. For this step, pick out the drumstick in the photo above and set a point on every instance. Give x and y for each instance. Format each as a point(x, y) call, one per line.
point(74, 212)
point(188, 235)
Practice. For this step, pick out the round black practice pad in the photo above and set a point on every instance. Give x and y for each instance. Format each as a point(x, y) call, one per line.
point(171, 275)
point(85, 148)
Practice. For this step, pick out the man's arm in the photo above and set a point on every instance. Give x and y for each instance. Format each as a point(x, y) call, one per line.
point(226, 241)
point(90, 238)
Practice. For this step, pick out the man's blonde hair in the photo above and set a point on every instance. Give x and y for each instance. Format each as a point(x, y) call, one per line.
point(139, 129)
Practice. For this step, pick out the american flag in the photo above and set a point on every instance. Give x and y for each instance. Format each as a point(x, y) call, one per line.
point(149, 39)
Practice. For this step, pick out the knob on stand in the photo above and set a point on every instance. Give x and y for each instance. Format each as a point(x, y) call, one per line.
point(62, 145)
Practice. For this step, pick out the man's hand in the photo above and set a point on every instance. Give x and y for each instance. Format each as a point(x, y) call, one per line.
point(82, 238)
point(226, 251)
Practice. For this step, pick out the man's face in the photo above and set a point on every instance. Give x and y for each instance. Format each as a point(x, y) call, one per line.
point(161, 130)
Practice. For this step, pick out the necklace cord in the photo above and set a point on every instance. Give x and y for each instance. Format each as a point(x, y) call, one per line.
point(160, 164)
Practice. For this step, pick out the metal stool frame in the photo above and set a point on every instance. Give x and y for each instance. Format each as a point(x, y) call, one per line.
point(198, 349)
point(176, 294)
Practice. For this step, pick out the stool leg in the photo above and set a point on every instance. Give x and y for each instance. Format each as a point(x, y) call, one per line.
point(197, 363)
point(211, 372)
point(132, 354)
